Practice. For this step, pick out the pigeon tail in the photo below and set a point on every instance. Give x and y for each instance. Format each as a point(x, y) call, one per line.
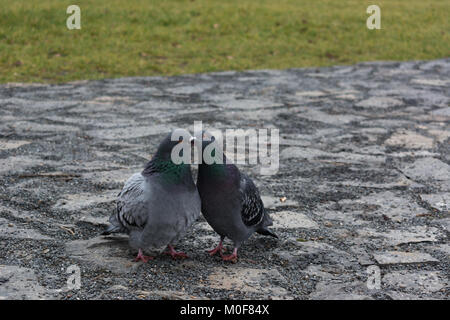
point(266, 232)
point(114, 225)
point(267, 222)
point(111, 229)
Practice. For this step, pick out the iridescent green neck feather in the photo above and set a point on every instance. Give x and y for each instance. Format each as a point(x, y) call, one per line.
point(167, 170)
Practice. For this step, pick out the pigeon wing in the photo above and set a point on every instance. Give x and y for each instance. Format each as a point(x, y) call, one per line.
point(252, 211)
point(131, 203)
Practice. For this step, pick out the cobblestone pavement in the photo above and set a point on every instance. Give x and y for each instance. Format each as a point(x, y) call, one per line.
point(364, 167)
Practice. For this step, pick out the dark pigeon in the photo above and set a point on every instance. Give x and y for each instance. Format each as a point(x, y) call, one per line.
point(231, 203)
point(157, 206)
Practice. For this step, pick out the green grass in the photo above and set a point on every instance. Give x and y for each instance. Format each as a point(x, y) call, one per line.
point(144, 37)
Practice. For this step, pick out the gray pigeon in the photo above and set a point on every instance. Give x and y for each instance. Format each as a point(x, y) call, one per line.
point(231, 203)
point(157, 206)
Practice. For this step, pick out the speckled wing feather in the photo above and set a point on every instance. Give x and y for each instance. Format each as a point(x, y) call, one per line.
point(252, 211)
point(131, 204)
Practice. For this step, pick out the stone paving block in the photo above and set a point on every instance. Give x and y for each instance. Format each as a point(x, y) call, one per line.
point(380, 102)
point(19, 283)
point(77, 202)
point(19, 164)
point(421, 281)
point(427, 169)
point(327, 290)
point(396, 237)
point(440, 201)
point(6, 145)
point(410, 140)
point(398, 257)
point(107, 253)
point(442, 112)
point(293, 220)
point(128, 132)
point(31, 127)
point(12, 230)
point(113, 176)
point(386, 204)
point(271, 202)
point(249, 280)
point(431, 82)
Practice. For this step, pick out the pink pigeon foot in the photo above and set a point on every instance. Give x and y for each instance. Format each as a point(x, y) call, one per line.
point(216, 249)
point(176, 254)
point(232, 257)
point(141, 257)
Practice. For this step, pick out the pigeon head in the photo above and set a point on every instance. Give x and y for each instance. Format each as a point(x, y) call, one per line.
point(207, 139)
point(211, 148)
point(174, 144)
point(169, 161)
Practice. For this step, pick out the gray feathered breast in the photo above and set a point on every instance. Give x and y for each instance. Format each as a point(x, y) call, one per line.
point(154, 213)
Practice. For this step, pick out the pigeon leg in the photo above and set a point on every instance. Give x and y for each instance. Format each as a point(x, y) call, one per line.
point(232, 257)
point(141, 257)
point(217, 249)
point(176, 254)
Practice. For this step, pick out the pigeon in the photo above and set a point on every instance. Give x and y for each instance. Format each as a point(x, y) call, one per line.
point(230, 201)
point(158, 205)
